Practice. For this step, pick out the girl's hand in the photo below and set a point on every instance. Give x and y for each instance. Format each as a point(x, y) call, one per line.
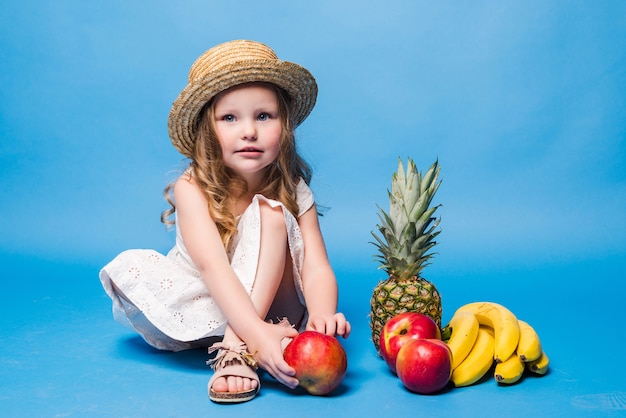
point(269, 354)
point(330, 324)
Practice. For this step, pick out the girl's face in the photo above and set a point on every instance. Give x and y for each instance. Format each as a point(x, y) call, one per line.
point(248, 126)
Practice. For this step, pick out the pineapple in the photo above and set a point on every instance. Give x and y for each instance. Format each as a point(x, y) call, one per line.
point(407, 234)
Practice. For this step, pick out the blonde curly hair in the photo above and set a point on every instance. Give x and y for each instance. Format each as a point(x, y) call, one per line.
point(222, 187)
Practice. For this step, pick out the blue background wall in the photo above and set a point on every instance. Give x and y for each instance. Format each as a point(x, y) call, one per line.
point(522, 102)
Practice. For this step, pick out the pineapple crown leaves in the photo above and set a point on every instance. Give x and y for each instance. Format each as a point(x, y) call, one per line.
point(408, 231)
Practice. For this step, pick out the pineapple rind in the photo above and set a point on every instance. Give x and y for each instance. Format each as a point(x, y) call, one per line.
point(395, 296)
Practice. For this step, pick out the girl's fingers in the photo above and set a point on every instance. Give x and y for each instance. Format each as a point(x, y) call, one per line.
point(348, 330)
point(332, 325)
point(291, 332)
point(284, 373)
point(321, 325)
point(343, 326)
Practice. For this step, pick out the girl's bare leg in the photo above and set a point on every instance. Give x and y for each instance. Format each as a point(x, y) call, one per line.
point(273, 291)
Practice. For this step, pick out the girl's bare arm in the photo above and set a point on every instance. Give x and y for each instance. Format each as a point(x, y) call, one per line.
point(320, 284)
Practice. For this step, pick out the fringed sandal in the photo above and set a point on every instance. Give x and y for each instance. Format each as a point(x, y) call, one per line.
point(232, 360)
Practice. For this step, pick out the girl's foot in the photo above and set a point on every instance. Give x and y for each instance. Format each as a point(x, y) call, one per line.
point(233, 384)
point(235, 378)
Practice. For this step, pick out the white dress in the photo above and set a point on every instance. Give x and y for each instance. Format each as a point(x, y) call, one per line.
point(164, 299)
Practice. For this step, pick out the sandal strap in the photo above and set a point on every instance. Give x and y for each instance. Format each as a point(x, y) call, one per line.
point(228, 354)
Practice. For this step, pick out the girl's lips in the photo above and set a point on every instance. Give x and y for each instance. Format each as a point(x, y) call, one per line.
point(248, 150)
point(249, 153)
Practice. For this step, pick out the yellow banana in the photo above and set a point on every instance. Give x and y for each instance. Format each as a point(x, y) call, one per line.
point(464, 330)
point(489, 330)
point(529, 346)
point(503, 322)
point(477, 362)
point(539, 366)
point(510, 370)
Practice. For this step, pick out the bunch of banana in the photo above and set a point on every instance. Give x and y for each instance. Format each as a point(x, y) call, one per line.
point(482, 333)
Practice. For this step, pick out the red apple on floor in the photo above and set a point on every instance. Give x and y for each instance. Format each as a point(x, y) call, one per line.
point(401, 329)
point(320, 361)
point(424, 365)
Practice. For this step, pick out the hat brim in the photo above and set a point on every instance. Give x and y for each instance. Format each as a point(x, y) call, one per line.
point(297, 81)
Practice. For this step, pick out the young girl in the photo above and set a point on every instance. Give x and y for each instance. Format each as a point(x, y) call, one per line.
point(249, 268)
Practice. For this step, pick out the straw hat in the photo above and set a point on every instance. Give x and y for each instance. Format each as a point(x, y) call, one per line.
point(227, 65)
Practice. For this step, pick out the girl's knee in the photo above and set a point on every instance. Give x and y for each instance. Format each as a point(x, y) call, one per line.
point(272, 217)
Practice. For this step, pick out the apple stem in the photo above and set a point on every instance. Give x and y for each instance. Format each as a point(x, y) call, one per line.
point(446, 333)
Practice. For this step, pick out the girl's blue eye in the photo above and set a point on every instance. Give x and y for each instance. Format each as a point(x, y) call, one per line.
point(229, 118)
point(263, 116)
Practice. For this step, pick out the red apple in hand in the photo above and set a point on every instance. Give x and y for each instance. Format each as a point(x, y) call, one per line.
point(319, 359)
point(401, 329)
point(424, 365)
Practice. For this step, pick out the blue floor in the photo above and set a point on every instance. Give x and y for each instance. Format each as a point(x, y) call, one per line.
point(61, 353)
